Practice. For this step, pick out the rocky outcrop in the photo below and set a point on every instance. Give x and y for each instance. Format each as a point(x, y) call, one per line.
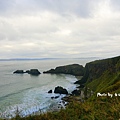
point(50, 91)
point(74, 69)
point(19, 72)
point(31, 72)
point(76, 92)
point(60, 90)
point(55, 97)
point(95, 69)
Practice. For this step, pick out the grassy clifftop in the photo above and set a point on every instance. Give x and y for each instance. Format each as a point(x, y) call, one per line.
point(97, 68)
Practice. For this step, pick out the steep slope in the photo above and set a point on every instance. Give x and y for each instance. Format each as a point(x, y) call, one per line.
point(103, 73)
point(95, 69)
point(73, 69)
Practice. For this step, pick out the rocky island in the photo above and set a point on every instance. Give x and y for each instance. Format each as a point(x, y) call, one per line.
point(31, 72)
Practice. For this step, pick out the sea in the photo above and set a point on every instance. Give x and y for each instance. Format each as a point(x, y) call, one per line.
point(29, 94)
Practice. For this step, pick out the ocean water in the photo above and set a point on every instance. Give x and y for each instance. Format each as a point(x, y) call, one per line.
point(28, 94)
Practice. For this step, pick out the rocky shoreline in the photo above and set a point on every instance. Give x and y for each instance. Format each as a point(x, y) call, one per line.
point(75, 70)
point(76, 95)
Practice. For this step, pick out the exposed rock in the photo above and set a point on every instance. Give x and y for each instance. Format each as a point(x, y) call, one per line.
point(50, 91)
point(55, 97)
point(60, 90)
point(74, 69)
point(33, 72)
point(76, 92)
point(70, 98)
point(27, 71)
point(19, 71)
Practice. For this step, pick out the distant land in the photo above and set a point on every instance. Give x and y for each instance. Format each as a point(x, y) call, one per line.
point(24, 59)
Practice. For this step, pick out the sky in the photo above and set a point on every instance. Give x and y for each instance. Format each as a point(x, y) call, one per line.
point(59, 28)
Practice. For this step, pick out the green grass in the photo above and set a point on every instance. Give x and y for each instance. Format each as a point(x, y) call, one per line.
point(99, 109)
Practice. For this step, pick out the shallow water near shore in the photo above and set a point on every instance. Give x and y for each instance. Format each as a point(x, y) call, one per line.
point(28, 94)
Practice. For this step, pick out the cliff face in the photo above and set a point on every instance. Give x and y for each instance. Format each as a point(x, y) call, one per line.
point(74, 69)
point(95, 69)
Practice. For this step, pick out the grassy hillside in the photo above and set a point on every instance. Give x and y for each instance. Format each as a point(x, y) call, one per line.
point(102, 76)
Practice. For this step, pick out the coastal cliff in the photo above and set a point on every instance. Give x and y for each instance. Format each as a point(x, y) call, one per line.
point(74, 69)
point(104, 75)
point(95, 69)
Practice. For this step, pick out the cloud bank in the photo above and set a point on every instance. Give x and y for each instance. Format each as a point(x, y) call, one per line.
point(59, 28)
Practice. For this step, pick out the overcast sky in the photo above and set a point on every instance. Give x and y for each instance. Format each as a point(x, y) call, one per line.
point(59, 28)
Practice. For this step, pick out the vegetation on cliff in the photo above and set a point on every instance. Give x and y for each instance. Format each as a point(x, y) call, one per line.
point(96, 69)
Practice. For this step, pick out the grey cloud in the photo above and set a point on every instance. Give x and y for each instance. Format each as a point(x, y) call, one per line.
point(6, 4)
point(58, 28)
point(81, 8)
point(115, 4)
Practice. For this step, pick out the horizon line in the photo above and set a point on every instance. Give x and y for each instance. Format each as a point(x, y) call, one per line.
point(10, 59)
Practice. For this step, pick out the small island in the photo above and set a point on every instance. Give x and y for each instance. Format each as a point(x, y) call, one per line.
point(34, 72)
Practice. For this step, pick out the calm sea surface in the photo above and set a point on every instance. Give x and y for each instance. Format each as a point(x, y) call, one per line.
point(28, 93)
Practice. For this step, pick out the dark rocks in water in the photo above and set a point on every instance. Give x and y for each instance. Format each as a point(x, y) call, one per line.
point(33, 72)
point(60, 90)
point(50, 91)
point(19, 71)
point(73, 69)
point(55, 97)
point(52, 97)
point(76, 92)
point(27, 71)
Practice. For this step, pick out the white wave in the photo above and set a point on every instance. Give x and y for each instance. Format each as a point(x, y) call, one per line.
point(38, 100)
